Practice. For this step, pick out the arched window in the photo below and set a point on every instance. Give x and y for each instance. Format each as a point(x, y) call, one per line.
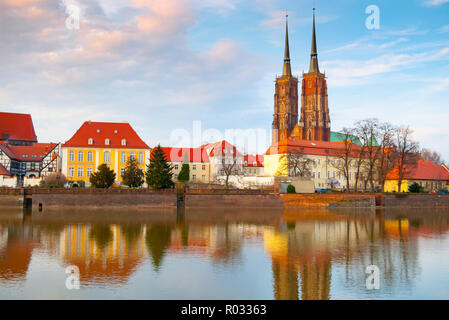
point(90, 141)
point(123, 157)
point(90, 156)
point(132, 156)
point(106, 142)
point(123, 142)
point(107, 156)
point(80, 156)
point(71, 156)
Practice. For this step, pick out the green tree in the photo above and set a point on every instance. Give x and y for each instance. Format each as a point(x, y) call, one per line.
point(133, 175)
point(415, 188)
point(184, 174)
point(291, 189)
point(159, 171)
point(103, 177)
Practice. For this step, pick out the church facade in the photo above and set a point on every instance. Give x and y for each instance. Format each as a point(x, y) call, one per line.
point(314, 119)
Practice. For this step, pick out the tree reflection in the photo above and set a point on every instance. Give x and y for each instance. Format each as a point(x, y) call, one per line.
point(158, 238)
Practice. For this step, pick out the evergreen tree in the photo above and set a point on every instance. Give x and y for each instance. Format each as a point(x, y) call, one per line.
point(159, 171)
point(103, 178)
point(415, 188)
point(184, 174)
point(133, 175)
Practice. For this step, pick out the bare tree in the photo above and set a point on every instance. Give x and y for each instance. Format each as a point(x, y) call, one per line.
point(344, 158)
point(299, 165)
point(367, 130)
point(386, 157)
point(230, 164)
point(407, 153)
point(433, 156)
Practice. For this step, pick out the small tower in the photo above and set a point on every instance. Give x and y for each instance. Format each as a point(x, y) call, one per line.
point(315, 120)
point(285, 115)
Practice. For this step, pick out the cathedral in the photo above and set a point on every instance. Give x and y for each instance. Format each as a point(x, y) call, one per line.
point(314, 120)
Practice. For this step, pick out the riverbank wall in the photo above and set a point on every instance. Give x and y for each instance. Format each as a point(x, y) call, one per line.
point(42, 199)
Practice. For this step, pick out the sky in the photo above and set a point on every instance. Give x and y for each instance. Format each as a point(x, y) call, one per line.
point(170, 66)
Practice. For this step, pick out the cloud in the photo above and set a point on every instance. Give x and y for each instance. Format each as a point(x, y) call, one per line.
point(345, 72)
point(130, 60)
point(435, 2)
point(443, 29)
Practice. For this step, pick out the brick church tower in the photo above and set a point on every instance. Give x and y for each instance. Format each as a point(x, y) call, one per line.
point(285, 116)
point(315, 120)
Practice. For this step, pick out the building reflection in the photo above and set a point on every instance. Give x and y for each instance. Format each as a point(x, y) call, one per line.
point(305, 247)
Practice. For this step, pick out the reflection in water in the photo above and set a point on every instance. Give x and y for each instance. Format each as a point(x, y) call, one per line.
point(313, 255)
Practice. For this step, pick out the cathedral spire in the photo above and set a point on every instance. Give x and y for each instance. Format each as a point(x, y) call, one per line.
point(287, 69)
point(314, 53)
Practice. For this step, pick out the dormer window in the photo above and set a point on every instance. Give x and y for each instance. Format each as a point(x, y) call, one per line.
point(255, 163)
point(123, 142)
point(98, 130)
point(106, 142)
point(90, 141)
point(115, 131)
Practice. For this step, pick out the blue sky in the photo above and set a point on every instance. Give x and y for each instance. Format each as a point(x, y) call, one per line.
point(162, 64)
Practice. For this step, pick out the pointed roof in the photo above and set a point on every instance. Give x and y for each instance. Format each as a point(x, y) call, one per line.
point(314, 52)
point(17, 126)
point(287, 68)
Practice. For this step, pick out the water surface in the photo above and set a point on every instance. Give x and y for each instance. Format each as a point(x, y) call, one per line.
point(224, 254)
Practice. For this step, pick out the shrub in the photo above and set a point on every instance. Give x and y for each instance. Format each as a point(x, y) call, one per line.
point(54, 180)
point(291, 189)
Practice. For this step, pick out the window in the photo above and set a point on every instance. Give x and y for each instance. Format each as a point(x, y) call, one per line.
point(80, 172)
point(313, 174)
point(90, 141)
point(255, 163)
point(88, 172)
point(328, 174)
point(98, 130)
point(176, 167)
point(194, 177)
point(194, 167)
point(140, 157)
point(123, 142)
point(107, 156)
point(123, 157)
point(90, 157)
point(319, 161)
point(71, 156)
point(122, 172)
point(310, 83)
point(319, 174)
point(204, 167)
point(80, 156)
point(132, 156)
point(203, 177)
point(71, 172)
point(246, 163)
point(106, 142)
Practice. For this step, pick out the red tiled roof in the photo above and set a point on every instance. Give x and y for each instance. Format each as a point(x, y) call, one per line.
point(310, 147)
point(100, 131)
point(423, 170)
point(3, 171)
point(17, 126)
point(178, 154)
point(250, 159)
point(217, 147)
point(33, 153)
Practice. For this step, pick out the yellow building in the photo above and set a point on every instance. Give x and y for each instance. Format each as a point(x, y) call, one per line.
point(96, 143)
point(430, 176)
